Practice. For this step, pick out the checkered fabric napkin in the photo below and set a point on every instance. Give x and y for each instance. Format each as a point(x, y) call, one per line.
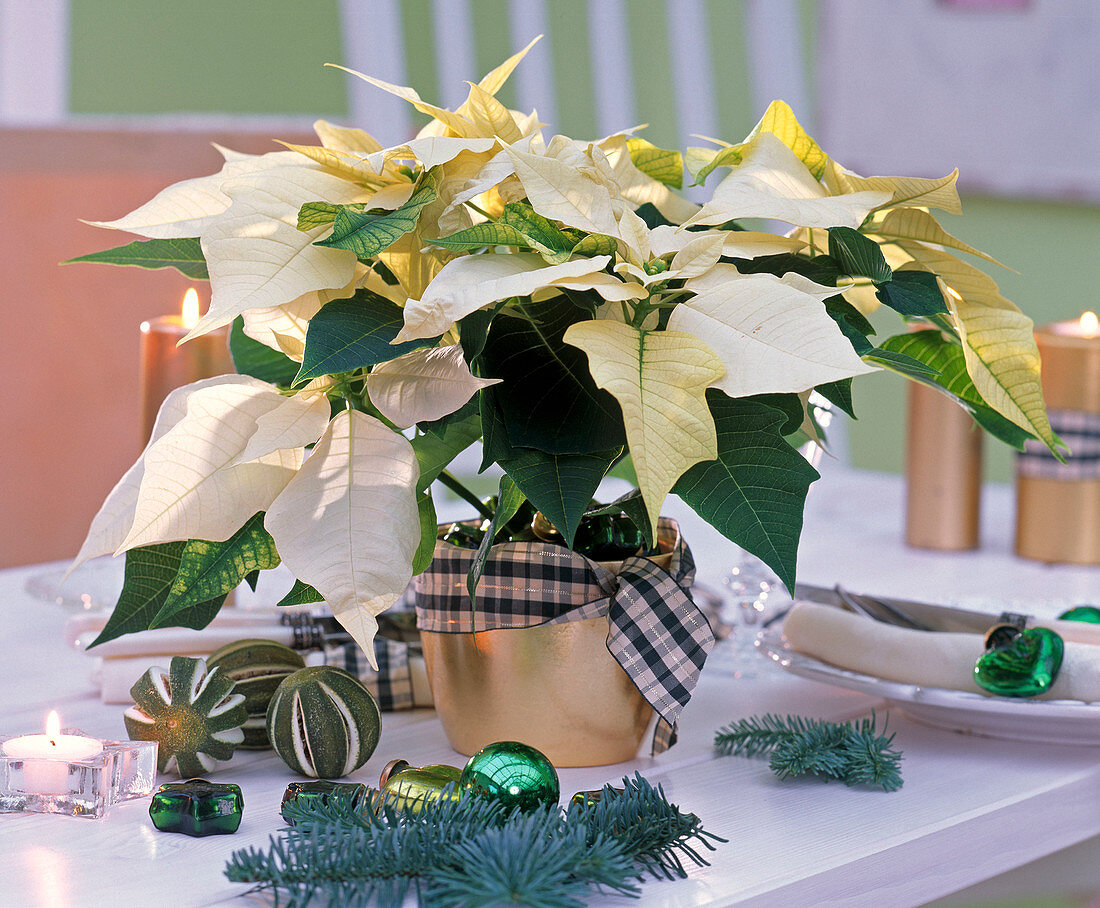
point(1079, 430)
point(655, 630)
point(392, 684)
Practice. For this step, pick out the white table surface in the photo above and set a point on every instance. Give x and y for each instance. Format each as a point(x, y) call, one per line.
point(971, 807)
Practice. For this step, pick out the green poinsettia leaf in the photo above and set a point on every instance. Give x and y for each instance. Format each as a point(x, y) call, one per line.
point(913, 293)
point(474, 329)
point(547, 397)
point(440, 426)
point(495, 444)
point(596, 244)
point(425, 551)
point(559, 485)
point(435, 451)
point(858, 256)
point(788, 404)
point(660, 164)
point(821, 269)
point(352, 334)
point(755, 492)
point(509, 500)
point(518, 225)
point(852, 323)
point(211, 569)
point(839, 394)
point(300, 594)
point(320, 214)
point(368, 234)
point(543, 235)
point(491, 233)
point(150, 572)
point(250, 357)
point(184, 254)
point(252, 578)
point(623, 469)
point(652, 216)
point(949, 362)
point(901, 363)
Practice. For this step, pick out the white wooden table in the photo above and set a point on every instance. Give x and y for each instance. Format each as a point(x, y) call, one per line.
point(971, 808)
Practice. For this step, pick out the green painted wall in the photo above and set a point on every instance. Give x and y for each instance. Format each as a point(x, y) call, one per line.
point(246, 56)
point(1052, 248)
point(206, 56)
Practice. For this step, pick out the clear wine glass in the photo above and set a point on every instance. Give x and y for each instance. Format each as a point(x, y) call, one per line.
point(751, 591)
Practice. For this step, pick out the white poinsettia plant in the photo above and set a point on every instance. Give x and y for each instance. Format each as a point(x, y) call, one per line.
point(556, 300)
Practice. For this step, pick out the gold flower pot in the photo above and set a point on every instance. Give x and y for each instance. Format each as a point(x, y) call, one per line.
point(554, 687)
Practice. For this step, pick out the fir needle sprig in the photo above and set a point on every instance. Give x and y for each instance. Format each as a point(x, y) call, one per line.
point(855, 753)
point(472, 851)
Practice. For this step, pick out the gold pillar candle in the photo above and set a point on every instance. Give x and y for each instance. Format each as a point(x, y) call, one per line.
point(1058, 505)
point(943, 471)
point(166, 366)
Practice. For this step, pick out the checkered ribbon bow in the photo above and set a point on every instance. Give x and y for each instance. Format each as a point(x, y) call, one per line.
point(391, 684)
point(655, 630)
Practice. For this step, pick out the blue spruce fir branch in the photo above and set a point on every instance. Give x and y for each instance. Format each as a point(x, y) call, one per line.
point(534, 860)
point(854, 753)
point(472, 851)
point(653, 831)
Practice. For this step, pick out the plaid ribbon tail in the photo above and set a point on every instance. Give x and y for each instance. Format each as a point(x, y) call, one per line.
point(660, 638)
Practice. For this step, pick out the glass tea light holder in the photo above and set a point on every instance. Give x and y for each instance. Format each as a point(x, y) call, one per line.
point(71, 773)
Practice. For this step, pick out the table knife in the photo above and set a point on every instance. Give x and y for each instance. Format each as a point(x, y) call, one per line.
point(959, 620)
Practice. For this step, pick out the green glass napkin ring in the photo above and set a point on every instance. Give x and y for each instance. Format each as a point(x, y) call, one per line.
point(1089, 614)
point(1020, 663)
point(197, 808)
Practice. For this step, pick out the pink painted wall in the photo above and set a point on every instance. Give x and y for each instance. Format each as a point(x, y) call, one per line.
point(69, 398)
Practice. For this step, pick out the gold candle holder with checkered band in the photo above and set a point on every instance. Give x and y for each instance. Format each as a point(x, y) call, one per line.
point(1058, 505)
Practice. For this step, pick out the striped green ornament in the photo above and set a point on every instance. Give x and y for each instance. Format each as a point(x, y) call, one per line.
point(323, 722)
point(256, 668)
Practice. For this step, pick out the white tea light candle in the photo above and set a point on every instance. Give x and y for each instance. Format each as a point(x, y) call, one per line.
point(47, 757)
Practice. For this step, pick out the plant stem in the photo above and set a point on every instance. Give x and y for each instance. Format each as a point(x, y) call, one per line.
point(465, 494)
point(481, 211)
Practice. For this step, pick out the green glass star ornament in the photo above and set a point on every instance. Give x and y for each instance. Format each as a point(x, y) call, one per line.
point(197, 808)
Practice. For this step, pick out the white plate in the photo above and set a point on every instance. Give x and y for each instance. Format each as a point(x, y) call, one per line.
point(92, 586)
point(1049, 721)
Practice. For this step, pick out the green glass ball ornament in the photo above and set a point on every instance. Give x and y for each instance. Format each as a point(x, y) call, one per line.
point(608, 537)
point(323, 722)
point(1026, 667)
point(514, 774)
point(1090, 614)
point(256, 668)
point(411, 788)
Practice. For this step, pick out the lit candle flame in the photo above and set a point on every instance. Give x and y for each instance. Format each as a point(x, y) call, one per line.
point(1090, 324)
point(190, 313)
point(53, 725)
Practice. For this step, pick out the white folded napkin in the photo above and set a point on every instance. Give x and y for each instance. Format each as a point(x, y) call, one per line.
point(925, 658)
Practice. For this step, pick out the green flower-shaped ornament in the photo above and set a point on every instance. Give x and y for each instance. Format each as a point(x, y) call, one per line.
point(193, 715)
